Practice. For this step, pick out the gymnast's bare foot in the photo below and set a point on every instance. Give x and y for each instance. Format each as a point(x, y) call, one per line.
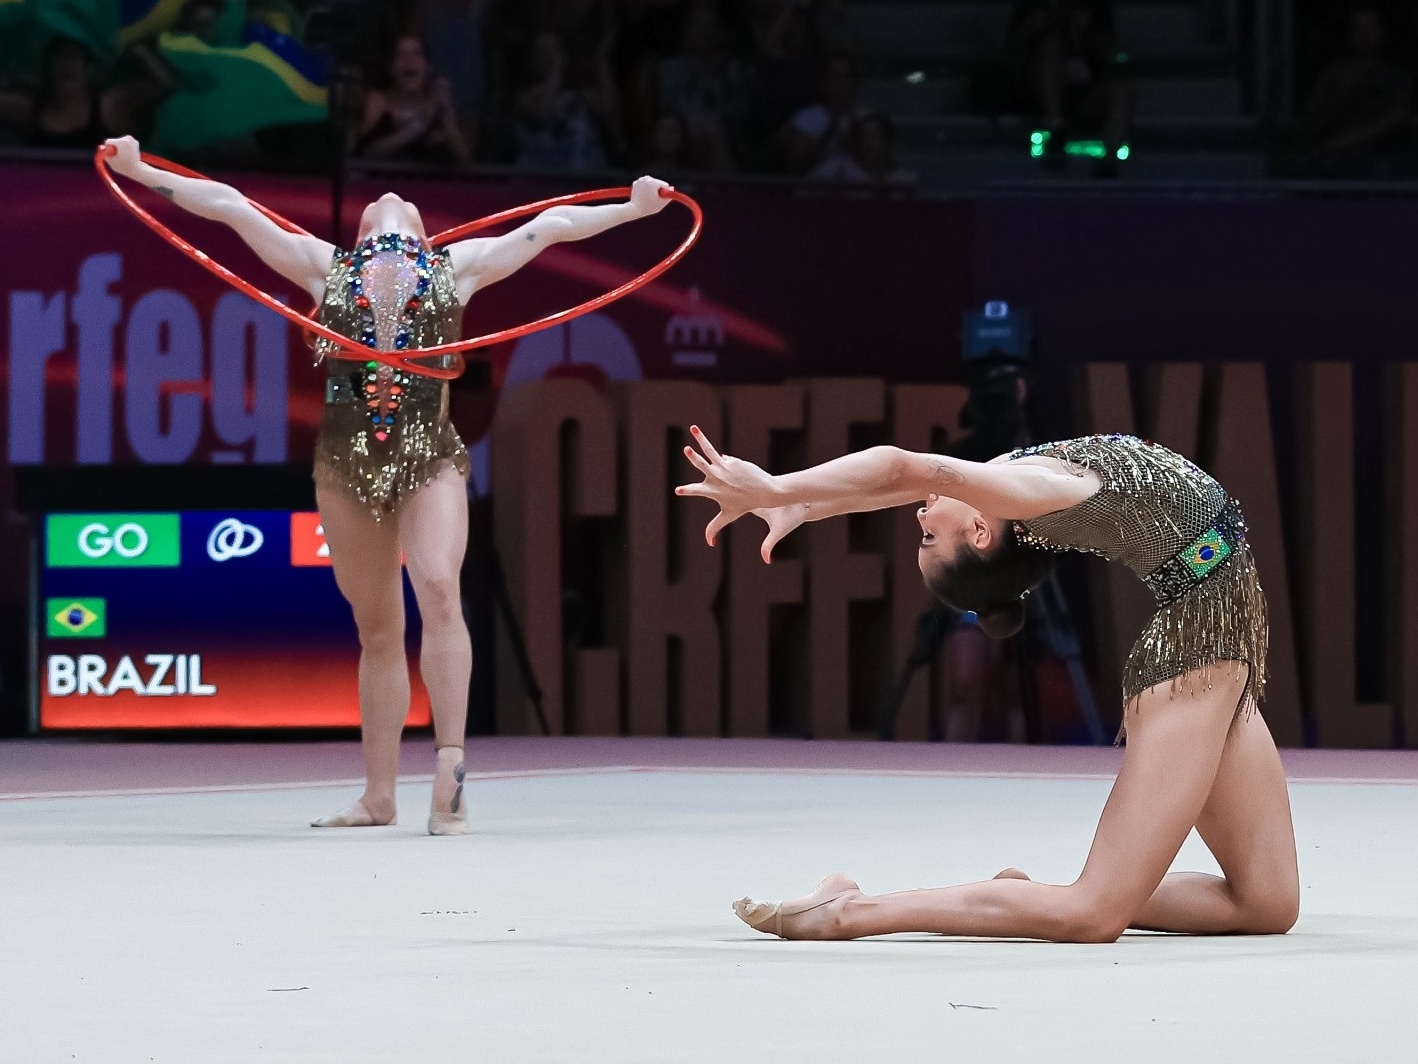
point(1011, 873)
point(448, 813)
point(368, 812)
point(816, 916)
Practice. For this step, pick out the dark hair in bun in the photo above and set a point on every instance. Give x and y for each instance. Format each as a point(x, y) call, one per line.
point(992, 583)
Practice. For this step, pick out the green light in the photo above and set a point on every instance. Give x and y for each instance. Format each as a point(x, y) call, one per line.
point(1093, 149)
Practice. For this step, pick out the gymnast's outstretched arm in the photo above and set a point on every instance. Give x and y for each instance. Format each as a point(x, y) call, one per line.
point(298, 257)
point(875, 479)
point(480, 261)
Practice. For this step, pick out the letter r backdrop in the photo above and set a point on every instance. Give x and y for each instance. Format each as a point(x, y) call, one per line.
point(1269, 340)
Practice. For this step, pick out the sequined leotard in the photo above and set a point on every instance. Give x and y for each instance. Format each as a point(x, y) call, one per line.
point(1178, 530)
point(385, 432)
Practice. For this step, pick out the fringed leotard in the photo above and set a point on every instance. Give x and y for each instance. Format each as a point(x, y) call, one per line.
point(385, 431)
point(1178, 530)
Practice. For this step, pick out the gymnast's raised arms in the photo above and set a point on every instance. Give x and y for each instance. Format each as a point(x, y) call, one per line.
point(480, 261)
point(298, 257)
point(875, 479)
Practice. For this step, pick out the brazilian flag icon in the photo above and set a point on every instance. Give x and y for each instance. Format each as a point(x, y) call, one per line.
point(85, 618)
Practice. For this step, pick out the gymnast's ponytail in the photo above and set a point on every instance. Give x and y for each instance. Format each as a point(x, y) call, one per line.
point(991, 583)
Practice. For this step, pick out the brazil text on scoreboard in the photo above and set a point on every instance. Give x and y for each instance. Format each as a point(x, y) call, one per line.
point(198, 619)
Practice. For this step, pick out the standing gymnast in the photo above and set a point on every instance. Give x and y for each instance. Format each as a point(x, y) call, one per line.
point(389, 466)
point(1198, 753)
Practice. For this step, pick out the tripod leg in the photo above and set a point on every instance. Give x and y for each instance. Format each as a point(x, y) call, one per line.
point(931, 630)
point(519, 644)
point(1026, 676)
point(503, 600)
point(886, 717)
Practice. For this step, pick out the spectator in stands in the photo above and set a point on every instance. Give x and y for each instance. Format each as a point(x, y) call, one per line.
point(415, 118)
point(786, 52)
point(1065, 57)
point(647, 32)
point(822, 136)
point(873, 156)
point(199, 18)
point(583, 25)
point(565, 118)
point(1354, 120)
point(832, 24)
point(585, 33)
point(706, 86)
point(669, 146)
point(16, 112)
point(70, 109)
point(452, 34)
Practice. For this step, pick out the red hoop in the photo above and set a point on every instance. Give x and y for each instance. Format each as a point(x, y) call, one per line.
point(403, 359)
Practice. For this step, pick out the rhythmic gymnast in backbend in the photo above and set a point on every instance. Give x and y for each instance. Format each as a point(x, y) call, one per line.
point(1198, 752)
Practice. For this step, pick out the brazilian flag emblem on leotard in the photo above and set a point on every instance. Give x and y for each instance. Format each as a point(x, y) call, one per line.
point(85, 618)
point(1209, 551)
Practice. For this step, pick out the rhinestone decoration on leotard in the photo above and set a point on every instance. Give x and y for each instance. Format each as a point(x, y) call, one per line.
point(384, 385)
point(420, 441)
point(384, 388)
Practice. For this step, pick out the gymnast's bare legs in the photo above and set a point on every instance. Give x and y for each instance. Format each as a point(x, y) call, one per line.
point(431, 529)
point(1190, 761)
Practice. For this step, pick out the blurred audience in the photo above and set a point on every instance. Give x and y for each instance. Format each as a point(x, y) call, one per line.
point(564, 115)
point(452, 35)
point(669, 147)
point(647, 33)
point(872, 160)
point(1355, 121)
point(673, 86)
point(200, 19)
point(1064, 55)
point(706, 86)
point(71, 108)
point(822, 135)
point(785, 47)
point(415, 117)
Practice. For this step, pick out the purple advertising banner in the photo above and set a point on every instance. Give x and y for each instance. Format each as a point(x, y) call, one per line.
point(123, 350)
point(1281, 280)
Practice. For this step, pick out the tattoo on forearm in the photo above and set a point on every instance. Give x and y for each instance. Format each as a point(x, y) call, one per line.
point(531, 236)
point(942, 473)
point(165, 192)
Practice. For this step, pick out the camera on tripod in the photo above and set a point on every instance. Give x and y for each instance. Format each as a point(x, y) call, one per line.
point(996, 344)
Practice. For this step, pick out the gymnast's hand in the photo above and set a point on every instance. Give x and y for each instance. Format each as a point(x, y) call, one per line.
point(739, 488)
point(645, 196)
point(780, 521)
point(126, 157)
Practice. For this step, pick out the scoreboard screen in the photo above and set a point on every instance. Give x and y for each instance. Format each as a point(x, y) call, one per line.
point(196, 619)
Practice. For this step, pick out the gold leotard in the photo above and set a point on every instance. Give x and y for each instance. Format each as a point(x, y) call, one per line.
point(1178, 530)
point(383, 461)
